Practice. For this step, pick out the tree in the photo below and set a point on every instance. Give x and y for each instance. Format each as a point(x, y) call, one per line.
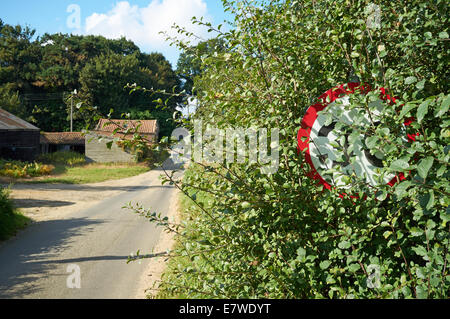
point(155, 74)
point(19, 57)
point(103, 80)
point(9, 100)
point(190, 65)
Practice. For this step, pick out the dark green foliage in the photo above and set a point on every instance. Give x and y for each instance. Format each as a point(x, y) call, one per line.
point(10, 221)
point(6, 206)
point(189, 64)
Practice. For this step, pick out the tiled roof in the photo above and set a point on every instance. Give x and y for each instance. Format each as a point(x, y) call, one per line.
point(63, 138)
point(145, 126)
point(150, 138)
point(13, 123)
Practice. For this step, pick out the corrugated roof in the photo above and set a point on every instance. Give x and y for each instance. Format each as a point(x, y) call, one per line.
point(145, 126)
point(13, 123)
point(63, 138)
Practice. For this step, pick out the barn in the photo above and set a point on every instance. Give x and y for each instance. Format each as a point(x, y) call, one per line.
point(62, 141)
point(108, 131)
point(19, 140)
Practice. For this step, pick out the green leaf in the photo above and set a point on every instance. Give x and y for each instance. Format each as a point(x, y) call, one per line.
point(435, 281)
point(325, 264)
point(399, 165)
point(205, 242)
point(441, 170)
point(401, 189)
point(330, 280)
point(431, 224)
point(421, 292)
point(443, 35)
point(420, 85)
point(431, 200)
point(410, 80)
point(407, 108)
point(371, 142)
point(430, 234)
point(344, 245)
point(445, 215)
point(427, 200)
point(245, 205)
point(381, 195)
point(420, 272)
point(443, 108)
point(354, 267)
point(422, 110)
point(301, 253)
point(420, 251)
point(415, 232)
point(424, 167)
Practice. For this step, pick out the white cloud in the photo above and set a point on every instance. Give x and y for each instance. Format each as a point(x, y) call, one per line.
point(143, 24)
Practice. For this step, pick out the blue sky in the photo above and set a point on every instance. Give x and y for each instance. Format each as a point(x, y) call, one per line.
point(137, 20)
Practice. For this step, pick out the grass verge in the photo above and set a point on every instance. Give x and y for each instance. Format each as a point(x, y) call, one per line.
point(175, 284)
point(67, 168)
point(91, 173)
point(11, 220)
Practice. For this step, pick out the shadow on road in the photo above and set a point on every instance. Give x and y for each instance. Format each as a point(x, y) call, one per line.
point(83, 259)
point(30, 203)
point(29, 258)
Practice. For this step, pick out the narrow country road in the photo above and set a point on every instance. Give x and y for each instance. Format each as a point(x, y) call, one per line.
point(97, 239)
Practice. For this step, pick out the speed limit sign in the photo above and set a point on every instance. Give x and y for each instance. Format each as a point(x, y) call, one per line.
point(318, 137)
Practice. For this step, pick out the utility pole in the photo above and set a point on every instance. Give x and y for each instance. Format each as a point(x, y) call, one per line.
point(71, 109)
point(71, 115)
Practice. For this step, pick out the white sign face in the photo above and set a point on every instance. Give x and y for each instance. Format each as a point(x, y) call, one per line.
point(354, 158)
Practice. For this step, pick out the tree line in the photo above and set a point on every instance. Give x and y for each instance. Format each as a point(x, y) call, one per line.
point(38, 75)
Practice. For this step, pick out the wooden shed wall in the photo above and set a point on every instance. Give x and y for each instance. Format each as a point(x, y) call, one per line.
point(19, 145)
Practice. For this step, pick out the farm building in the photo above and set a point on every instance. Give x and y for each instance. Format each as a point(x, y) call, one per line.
point(62, 141)
point(19, 140)
point(108, 131)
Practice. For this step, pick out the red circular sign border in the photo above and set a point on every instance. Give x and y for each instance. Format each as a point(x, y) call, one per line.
point(324, 100)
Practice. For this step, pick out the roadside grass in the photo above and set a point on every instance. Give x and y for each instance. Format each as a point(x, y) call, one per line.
point(66, 158)
point(175, 285)
point(90, 173)
point(11, 220)
point(67, 168)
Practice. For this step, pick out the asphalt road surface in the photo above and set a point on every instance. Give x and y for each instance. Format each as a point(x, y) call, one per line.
point(44, 259)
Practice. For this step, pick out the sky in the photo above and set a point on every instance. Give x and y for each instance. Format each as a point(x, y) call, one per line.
point(137, 20)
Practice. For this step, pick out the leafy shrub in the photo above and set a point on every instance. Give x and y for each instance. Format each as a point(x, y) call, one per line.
point(10, 220)
point(284, 235)
point(6, 207)
point(66, 158)
point(18, 169)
